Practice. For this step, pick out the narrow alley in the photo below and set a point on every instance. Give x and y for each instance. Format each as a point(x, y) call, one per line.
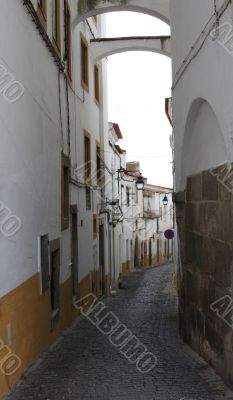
point(116, 200)
point(83, 365)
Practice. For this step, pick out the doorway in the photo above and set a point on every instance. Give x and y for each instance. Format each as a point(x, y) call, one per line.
point(131, 255)
point(150, 252)
point(127, 255)
point(145, 254)
point(142, 254)
point(101, 260)
point(158, 250)
point(74, 252)
point(55, 281)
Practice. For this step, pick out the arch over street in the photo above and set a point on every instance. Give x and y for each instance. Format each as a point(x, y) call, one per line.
point(89, 8)
point(105, 47)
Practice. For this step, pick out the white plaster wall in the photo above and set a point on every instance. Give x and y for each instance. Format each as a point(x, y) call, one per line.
point(208, 77)
point(31, 145)
point(203, 141)
point(29, 129)
point(91, 118)
point(165, 222)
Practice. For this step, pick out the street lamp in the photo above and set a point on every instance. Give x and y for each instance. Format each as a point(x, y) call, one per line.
point(165, 200)
point(140, 183)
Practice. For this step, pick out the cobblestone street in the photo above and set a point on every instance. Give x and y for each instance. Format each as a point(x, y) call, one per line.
point(83, 365)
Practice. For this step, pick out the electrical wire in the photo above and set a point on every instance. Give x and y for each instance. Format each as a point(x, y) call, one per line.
point(106, 167)
point(84, 185)
point(89, 26)
point(141, 156)
point(60, 111)
point(68, 114)
point(31, 10)
point(196, 47)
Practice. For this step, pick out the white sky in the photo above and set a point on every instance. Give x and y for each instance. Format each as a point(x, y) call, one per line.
point(138, 84)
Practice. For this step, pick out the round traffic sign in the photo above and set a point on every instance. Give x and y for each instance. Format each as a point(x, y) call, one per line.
point(169, 234)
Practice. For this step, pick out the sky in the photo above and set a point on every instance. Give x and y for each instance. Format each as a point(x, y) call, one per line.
point(138, 83)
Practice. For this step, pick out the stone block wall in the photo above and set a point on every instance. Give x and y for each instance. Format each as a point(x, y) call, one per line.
point(204, 215)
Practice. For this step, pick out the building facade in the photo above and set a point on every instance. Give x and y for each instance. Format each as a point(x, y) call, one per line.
point(125, 207)
point(71, 217)
point(202, 119)
point(158, 218)
point(53, 113)
point(51, 36)
point(201, 48)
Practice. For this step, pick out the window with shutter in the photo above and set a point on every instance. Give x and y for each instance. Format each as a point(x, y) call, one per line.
point(44, 248)
point(84, 64)
point(57, 24)
point(87, 157)
point(42, 11)
point(68, 41)
point(97, 84)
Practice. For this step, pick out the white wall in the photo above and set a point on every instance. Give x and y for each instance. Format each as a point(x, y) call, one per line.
point(208, 78)
point(30, 145)
point(32, 139)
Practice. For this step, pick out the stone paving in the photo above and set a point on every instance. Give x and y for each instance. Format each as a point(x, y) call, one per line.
point(83, 365)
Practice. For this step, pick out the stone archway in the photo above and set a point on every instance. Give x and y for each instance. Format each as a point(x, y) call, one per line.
point(88, 8)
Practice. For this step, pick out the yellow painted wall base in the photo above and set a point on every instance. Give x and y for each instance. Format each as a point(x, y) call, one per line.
point(124, 268)
point(97, 283)
point(107, 285)
point(29, 316)
point(161, 260)
point(84, 286)
point(146, 262)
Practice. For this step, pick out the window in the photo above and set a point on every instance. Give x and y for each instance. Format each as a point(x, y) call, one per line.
point(94, 18)
point(68, 39)
point(55, 281)
point(57, 24)
point(157, 227)
point(74, 251)
point(158, 250)
point(127, 197)
point(88, 199)
point(44, 254)
point(87, 157)
point(84, 64)
point(98, 165)
point(65, 197)
point(42, 11)
point(94, 226)
point(97, 84)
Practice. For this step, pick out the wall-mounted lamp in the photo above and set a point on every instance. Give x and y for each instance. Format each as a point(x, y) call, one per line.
point(140, 183)
point(165, 200)
point(113, 203)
